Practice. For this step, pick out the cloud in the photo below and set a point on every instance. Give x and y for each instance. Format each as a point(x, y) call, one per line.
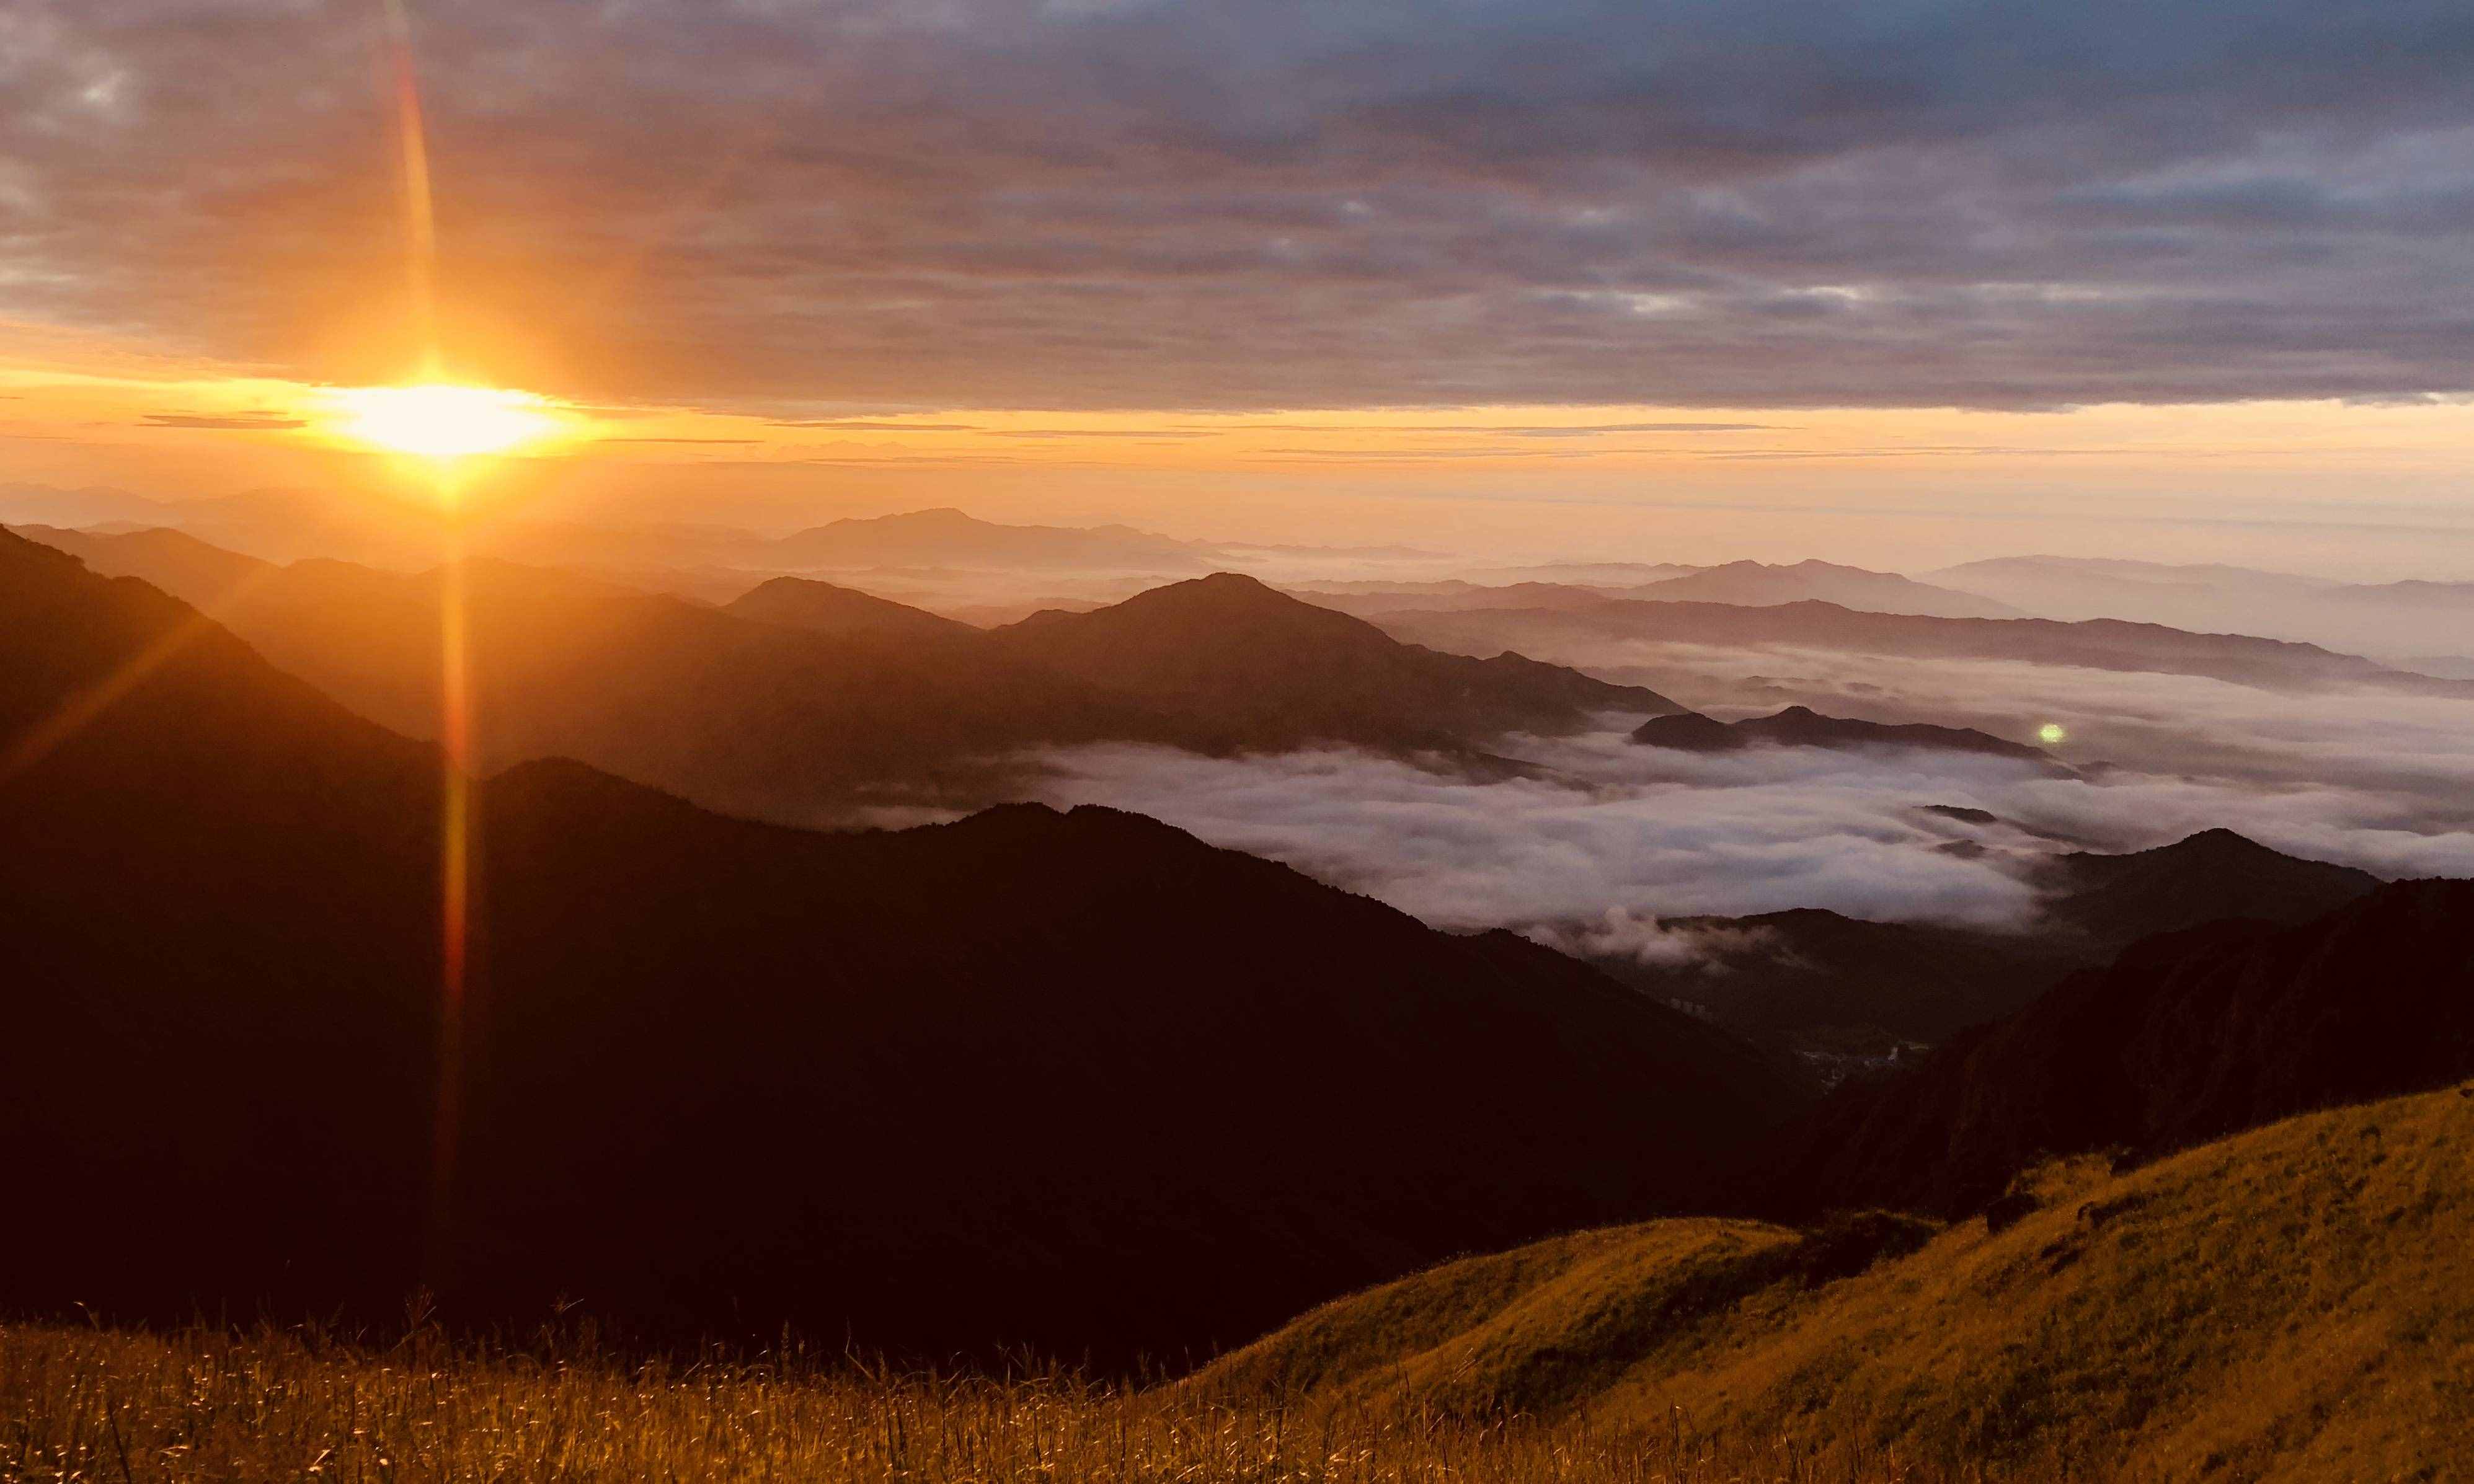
point(244, 421)
point(1255, 204)
point(1614, 841)
point(1616, 828)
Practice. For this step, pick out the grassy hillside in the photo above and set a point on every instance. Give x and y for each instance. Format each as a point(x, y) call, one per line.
point(2296, 1302)
point(2289, 1304)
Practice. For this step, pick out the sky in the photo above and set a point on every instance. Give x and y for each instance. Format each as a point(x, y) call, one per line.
point(1904, 283)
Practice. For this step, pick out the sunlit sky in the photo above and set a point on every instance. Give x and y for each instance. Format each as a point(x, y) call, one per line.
point(1900, 283)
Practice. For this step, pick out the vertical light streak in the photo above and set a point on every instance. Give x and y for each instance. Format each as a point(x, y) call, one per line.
point(455, 695)
point(420, 220)
point(454, 883)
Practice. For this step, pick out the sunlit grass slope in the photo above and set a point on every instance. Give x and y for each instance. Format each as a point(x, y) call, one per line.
point(2296, 1302)
point(83, 1405)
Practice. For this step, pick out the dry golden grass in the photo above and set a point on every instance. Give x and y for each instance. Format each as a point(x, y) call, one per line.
point(2296, 1302)
point(105, 1405)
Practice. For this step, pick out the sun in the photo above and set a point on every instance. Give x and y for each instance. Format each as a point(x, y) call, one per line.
point(441, 420)
point(2051, 733)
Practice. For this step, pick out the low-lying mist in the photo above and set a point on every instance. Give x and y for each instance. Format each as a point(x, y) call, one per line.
point(1606, 838)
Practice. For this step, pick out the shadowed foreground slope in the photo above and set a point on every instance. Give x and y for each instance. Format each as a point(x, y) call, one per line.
point(2287, 1305)
point(2185, 1036)
point(1017, 1079)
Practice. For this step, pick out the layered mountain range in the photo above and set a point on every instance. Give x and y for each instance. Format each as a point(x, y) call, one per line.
point(1012, 1080)
point(800, 697)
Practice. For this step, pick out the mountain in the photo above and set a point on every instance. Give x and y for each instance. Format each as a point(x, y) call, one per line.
point(2455, 667)
point(95, 505)
point(1572, 635)
point(1758, 585)
point(174, 560)
point(749, 716)
point(2389, 620)
point(2185, 1036)
point(1013, 1079)
point(798, 602)
point(2288, 1304)
point(2115, 900)
point(1271, 671)
point(1802, 727)
point(2201, 594)
point(1371, 599)
point(949, 538)
point(1750, 583)
point(1582, 574)
point(741, 710)
point(1844, 994)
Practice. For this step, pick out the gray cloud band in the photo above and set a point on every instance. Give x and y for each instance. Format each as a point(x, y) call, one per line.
point(1250, 205)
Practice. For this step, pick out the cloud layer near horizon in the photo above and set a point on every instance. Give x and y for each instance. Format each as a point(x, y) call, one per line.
point(1619, 837)
point(1260, 203)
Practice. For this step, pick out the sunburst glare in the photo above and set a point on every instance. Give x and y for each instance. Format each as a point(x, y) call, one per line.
point(442, 420)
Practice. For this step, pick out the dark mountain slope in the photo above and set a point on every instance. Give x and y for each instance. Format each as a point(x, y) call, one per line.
point(1018, 1078)
point(178, 563)
point(749, 716)
point(742, 710)
point(1800, 726)
point(1841, 990)
point(1270, 672)
point(2184, 1038)
point(798, 602)
point(2118, 899)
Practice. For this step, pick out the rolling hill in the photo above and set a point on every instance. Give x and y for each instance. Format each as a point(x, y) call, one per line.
point(2185, 1036)
point(2288, 1304)
point(1570, 635)
point(2383, 618)
point(1272, 671)
point(1844, 994)
point(799, 603)
point(803, 698)
point(1015, 1079)
point(1758, 585)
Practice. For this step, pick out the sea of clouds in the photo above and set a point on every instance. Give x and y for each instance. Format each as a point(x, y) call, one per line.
point(1605, 840)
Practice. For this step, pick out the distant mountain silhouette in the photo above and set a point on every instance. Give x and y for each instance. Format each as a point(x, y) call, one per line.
point(2099, 644)
point(744, 715)
point(1584, 574)
point(95, 505)
point(1272, 671)
point(1757, 584)
point(2383, 618)
point(174, 560)
point(1370, 599)
point(949, 538)
point(799, 603)
point(1019, 1078)
point(2184, 1038)
point(741, 710)
point(1800, 726)
point(2216, 874)
point(1750, 583)
point(1842, 992)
